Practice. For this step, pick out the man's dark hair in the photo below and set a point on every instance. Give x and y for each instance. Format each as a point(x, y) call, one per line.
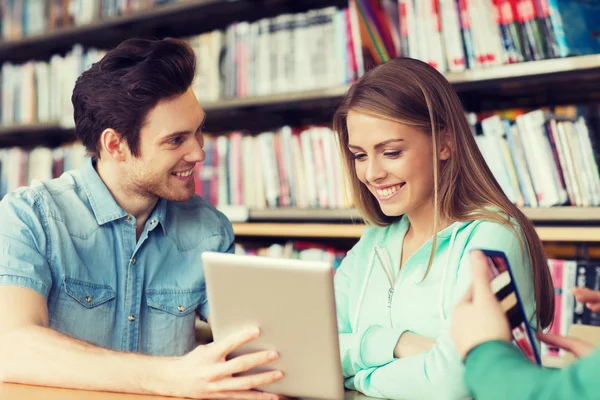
point(119, 90)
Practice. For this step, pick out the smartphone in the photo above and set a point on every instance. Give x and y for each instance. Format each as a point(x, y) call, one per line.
point(503, 286)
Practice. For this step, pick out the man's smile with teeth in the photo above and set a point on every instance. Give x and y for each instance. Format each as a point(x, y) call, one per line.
point(183, 174)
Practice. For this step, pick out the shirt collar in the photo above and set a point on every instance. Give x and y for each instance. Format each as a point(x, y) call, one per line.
point(158, 215)
point(103, 203)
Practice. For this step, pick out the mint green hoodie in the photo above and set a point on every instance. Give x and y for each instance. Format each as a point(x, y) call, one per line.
point(376, 304)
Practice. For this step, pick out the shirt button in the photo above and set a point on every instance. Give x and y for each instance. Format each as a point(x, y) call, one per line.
point(88, 299)
point(131, 318)
point(153, 221)
point(128, 218)
point(181, 308)
point(133, 260)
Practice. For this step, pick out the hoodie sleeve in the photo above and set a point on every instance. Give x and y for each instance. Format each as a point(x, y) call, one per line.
point(438, 374)
point(371, 347)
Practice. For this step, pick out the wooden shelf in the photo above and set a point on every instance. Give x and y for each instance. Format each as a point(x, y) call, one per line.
point(570, 65)
point(537, 215)
point(312, 230)
point(287, 230)
point(335, 93)
point(46, 134)
point(562, 214)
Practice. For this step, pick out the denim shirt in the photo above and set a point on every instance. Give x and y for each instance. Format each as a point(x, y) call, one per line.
point(70, 241)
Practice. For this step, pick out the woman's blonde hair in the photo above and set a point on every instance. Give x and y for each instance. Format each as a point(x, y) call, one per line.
point(413, 93)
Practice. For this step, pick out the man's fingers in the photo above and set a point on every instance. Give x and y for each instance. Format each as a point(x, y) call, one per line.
point(480, 273)
point(575, 346)
point(585, 295)
point(247, 382)
point(595, 307)
point(244, 363)
point(234, 341)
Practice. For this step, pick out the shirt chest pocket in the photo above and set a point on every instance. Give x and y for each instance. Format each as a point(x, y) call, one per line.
point(86, 311)
point(171, 320)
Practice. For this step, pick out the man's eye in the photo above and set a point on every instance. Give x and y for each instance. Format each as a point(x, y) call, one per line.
point(176, 140)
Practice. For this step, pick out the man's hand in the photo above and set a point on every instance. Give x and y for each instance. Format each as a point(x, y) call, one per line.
point(411, 344)
point(579, 348)
point(591, 298)
point(478, 317)
point(206, 373)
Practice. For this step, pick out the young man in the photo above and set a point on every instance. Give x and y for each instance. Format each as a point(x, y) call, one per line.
point(496, 369)
point(100, 270)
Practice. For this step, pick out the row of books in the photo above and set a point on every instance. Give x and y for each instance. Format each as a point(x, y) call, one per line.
point(23, 18)
point(541, 158)
point(567, 274)
point(453, 35)
point(19, 167)
point(290, 52)
point(39, 91)
point(320, 48)
point(254, 171)
point(300, 250)
point(283, 168)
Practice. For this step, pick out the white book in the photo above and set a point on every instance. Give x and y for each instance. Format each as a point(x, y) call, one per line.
point(569, 163)
point(583, 130)
point(455, 54)
point(270, 169)
point(516, 145)
point(300, 195)
point(567, 171)
point(309, 165)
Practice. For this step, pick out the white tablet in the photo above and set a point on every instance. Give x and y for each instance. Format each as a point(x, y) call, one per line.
point(293, 303)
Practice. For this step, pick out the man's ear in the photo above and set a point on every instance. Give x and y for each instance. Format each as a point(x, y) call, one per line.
point(114, 144)
point(446, 145)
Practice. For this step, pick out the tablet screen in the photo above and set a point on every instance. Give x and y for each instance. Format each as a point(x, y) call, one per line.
point(503, 286)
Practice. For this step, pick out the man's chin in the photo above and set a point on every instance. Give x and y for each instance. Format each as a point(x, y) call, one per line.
point(178, 197)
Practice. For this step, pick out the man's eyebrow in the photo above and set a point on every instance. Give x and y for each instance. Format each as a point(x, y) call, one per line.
point(180, 133)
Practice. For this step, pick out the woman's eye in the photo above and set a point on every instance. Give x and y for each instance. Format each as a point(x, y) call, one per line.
point(359, 157)
point(393, 154)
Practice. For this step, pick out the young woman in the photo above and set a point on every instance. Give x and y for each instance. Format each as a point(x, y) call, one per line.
point(418, 177)
point(495, 369)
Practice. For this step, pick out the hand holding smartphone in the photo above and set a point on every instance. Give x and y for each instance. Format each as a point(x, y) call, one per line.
point(503, 286)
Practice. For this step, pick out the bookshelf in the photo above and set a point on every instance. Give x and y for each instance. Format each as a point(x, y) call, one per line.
point(530, 81)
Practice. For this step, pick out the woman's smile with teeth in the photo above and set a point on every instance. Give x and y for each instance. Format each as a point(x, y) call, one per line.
point(388, 191)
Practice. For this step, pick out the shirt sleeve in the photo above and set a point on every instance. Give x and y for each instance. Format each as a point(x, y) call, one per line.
point(439, 372)
point(371, 347)
point(498, 370)
point(227, 246)
point(23, 244)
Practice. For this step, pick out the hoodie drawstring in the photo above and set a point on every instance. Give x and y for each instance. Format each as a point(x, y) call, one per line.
point(362, 292)
point(370, 268)
point(443, 282)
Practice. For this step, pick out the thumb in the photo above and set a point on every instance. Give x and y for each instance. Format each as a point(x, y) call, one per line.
point(480, 273)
